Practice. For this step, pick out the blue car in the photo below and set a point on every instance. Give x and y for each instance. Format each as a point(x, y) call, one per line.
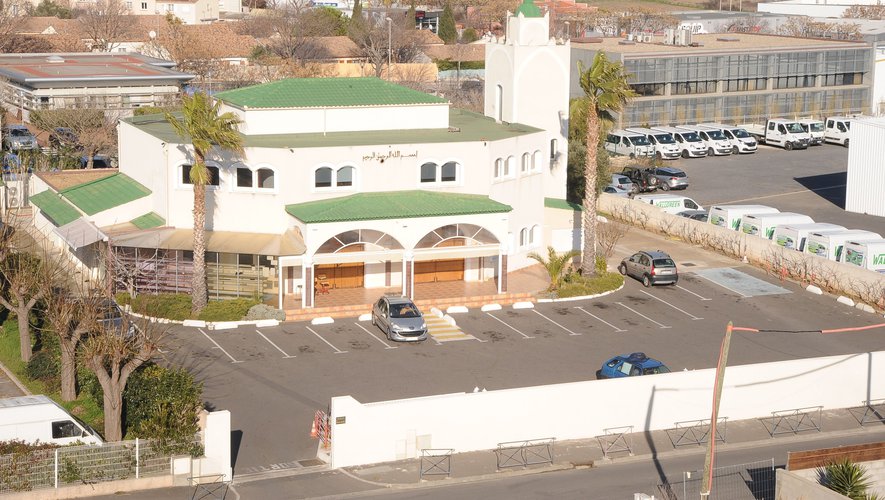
point(631, 365)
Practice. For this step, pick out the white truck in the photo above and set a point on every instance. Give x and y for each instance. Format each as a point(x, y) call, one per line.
point(830, 245)
point(670, 203)
point(787, 134)
point(868, 254)
point(730, 215)
point(792, 236)
point(763, 225)
point(741, 140)
point(815, 129)
point(35, 419)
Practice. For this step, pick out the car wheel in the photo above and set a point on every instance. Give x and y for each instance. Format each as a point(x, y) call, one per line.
point(659, 156)
point(665, 186)
point(388, 334)
point(685, 153)
point(646, 281)
point(373, 320)
point(845, 143)
point(635, 188)
point(710, 152)
point(734, 150)
point(788, 146)
point(623, 269)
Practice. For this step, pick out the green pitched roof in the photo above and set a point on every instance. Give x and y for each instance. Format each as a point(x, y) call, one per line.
point(325, 92)
point(53, 206)
point(109, 192)
point(561, 204)
point(394, 205)
point(528, 9)
point(148, 221)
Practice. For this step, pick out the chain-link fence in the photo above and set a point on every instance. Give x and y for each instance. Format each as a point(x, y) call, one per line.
point(749, 481)
point(53, 468)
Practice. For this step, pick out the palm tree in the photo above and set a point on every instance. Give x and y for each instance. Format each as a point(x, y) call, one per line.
point(606, 91)
point(555, 264)
point(846, 478)
point(201, 122)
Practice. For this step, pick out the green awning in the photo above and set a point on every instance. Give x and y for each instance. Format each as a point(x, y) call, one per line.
point(55, 208)
point(109, 192)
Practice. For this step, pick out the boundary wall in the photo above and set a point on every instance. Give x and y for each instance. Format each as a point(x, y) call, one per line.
point(395, 430)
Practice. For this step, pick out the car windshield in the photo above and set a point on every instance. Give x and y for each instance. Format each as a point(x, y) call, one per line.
point(639, 140)
point(664, 263)
point(665, 139)
point(816, 127)
point(691, 137)
point(19, 132)
point(672, 173)
point(794, 128)
point(404, 311)
point(847, 125)
point(655, 370)
point(716, 135)
point(740, 133)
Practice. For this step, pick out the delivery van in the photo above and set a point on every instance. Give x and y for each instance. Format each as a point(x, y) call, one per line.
point(689, 142)
point(763, 225)
point(670, 203)
point(38, 418)
point(793, 236)
point(830, 245)
point(730, 215)
point(868, 254)
point(713, 138)
point(630, 144)
point(663, 142)
point(741, 140)
point(815, 129)
point(838, 130)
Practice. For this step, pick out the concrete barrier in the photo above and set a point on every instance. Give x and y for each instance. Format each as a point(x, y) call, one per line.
point(194, 322)
point(814, 289)
point(365, 317)
point(456, 309)
point(490, 307)
point(523, 305)
point(450, 320)
point(322, 320)
point(266, 323)
point(845, 300)
point(223, 325)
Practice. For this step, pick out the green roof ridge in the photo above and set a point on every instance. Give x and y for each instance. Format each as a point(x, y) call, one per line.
point(561, 204)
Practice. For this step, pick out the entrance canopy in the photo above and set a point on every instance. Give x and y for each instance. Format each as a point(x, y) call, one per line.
point(289, 243)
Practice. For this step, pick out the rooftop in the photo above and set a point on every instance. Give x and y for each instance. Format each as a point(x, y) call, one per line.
point(73, 68)
point(715, 42)
point(102, 194)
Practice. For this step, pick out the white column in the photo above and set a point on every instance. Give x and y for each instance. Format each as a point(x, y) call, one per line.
point(500, 266)
point(280, 283)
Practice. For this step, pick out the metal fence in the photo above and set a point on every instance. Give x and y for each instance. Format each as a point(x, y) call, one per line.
point(525, 453)
point(749, 481)
point(53, 468)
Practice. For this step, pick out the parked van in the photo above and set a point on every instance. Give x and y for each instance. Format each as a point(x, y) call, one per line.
point(815, 129)
point(793, 236)
point(670, 203)
point(629, 144)
point(714, 139)
point(663, 142)
point(838, 130)
point(763, 225)
point(830, 245)
point(38, 418)
point(868, 254)
point(741, 140)
point(787, 134)
point(689, 142)
point(730, 215)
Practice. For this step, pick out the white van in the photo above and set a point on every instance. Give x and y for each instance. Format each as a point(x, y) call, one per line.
point(714, 139)
point(868, 254)
point(763, 225)
point(830, 245)
point(663, 142)
point(793, 236)
point(38, 418)
point(670, 203)
point(741, 140)
point(730, 215)
point(630, 144)
point(815, 129)
point(838, 130)
point(689, 142)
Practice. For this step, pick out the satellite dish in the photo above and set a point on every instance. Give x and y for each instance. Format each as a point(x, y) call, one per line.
point(152, 34)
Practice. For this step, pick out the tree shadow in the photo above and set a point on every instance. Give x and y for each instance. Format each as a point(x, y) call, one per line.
point(830, 187)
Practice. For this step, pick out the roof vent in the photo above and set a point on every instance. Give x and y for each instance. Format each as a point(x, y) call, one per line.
point(55, 59)
point(728, 39)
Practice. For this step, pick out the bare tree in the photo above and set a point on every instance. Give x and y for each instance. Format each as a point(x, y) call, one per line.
point(20, 291)
point(96, 129)
point(801, 26)
point(112, 352)
point(377, 42)
point(874, 12)
point(9, 22)
point(104, 23)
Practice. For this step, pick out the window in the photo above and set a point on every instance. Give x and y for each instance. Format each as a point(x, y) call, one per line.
point(244, 177)
point(345, 176)
point(554, 148)
point(536, 160)
point(265, 178)
point(323, 177)
point(428, 172)
point(65, 429)
point(214, 175)
point(509, 166)
point(128, 5)
point(449, 172)
point(143, 5)
point(499, 167)
point(526, 163)
point(529, 235)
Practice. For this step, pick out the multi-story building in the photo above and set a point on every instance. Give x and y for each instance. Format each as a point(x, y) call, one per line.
point(736, 77)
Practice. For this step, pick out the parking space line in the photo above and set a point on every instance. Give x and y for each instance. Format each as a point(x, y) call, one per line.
point(555, 323)
point(723, 286)
point(374, 337)
point(640, 314)
point(689, 291)
point(510, 327)
point(599, 319)
point(337, 351)
point(232, 360)
point(690, 315)
point(285, 356)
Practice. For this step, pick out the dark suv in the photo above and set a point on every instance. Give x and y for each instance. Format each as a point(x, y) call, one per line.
point(651, 267)
point(644, 179)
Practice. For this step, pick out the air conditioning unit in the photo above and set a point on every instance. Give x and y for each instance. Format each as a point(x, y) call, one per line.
point(13, 199)
point(648, 38)
point(670, 36)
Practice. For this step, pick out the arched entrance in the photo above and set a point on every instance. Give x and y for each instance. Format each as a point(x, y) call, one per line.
point(349, 259)
point(456, 252)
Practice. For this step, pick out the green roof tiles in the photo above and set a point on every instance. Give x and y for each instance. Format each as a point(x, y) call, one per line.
point(148, 221)
point(325, 92)
point(561, 204)
point(54, 207)
point(109, 192)
point(394, 205)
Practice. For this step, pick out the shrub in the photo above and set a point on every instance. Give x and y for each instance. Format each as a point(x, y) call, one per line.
point(578, 286)
point(176, 306)
point(264, 311)
point(123, 298)
point(227, 310)
point(601, 265)
point(44, 366)
point(847, 478)
point(469, 36)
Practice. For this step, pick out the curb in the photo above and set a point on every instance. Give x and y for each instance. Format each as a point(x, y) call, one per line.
point(15, 380)
point(582, 297)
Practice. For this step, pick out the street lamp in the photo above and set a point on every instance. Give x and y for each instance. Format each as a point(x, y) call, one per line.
point(389, 33)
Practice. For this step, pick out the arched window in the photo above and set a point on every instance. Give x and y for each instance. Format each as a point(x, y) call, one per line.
point(524, 237)
point(510, 166)
point(265, 178)
point(214, 175)
point(536, 160)
point(554, 148)
point(323, 177)
point(449, 172)
point(345, 176)
point(244, 177)
point(526, 163)
point(428, 172)
point(535, 236)
point(499, 168)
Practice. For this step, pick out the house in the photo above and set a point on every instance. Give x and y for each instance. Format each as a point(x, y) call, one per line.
point(189, 11)
point(358, 182)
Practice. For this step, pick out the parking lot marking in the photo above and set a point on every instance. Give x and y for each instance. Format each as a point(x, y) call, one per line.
point(689, 291)
point(640, 314)
point(442, 331)
point(510, 327)
point(599, 319)
point(232, 360)
point(337, 351)
point(271, 343)
point(801, 191)
point(723, 286)
point(555, 323)
point(690, 315)
point(374, 337)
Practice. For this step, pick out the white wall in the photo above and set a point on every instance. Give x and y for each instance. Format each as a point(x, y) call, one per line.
point(878, 106)
point(389, 430)
point(866, 167)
